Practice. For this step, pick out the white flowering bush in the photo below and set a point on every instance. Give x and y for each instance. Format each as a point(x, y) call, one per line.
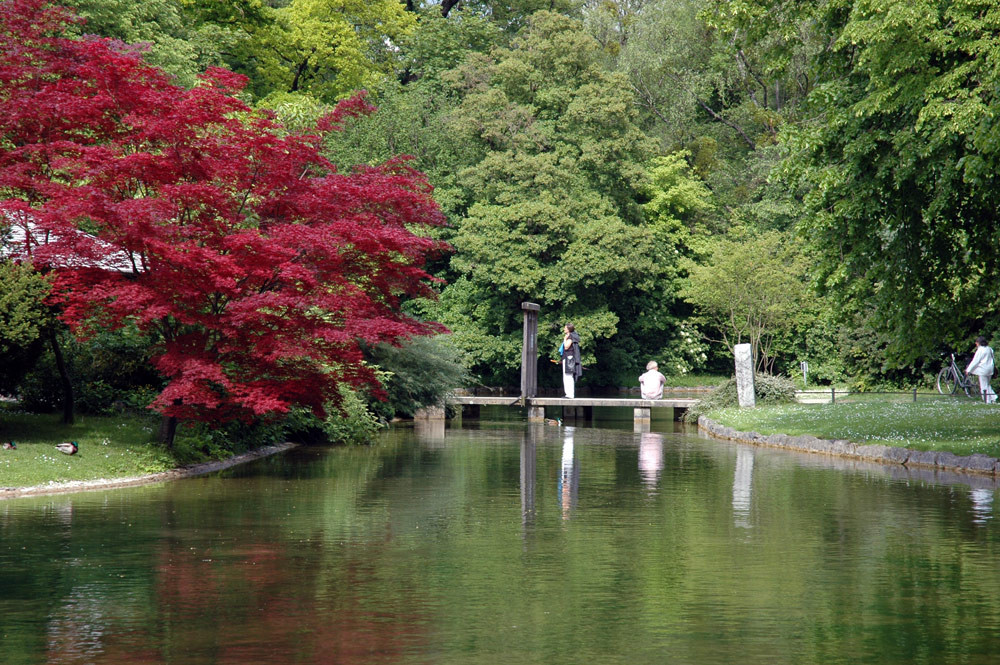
point(688, 351)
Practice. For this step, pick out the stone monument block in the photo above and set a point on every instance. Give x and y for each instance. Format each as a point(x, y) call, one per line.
point(744, 374)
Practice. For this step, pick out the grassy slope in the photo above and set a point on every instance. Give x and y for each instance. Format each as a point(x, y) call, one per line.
point(110, 447)
point(960, 427)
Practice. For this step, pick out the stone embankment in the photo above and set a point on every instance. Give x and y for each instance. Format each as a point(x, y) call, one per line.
point(980, 464)
point(174, 474)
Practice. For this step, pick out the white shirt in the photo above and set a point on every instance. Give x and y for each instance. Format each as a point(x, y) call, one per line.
point(982, 362)
point(652, 384)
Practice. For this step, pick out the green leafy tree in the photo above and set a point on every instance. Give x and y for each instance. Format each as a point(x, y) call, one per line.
point(547, 205)
point(162, 29)
point(325, 48)
point(752, 289)
point(511, 15)
point(679, 211)
point(23, 314)
point(695, 93)
point(440, 43)
point(412, 113)
point(898, 168)
point(415, 374)
point(24, 321)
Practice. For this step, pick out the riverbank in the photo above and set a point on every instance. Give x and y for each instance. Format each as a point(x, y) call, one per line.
point(113, 451)
point(191, 471)
point(952, 436)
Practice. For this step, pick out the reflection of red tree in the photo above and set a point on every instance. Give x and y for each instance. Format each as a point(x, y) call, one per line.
point(258, 602)
point(261, 604)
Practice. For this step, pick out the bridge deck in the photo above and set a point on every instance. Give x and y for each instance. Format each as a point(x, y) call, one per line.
point(513, 400)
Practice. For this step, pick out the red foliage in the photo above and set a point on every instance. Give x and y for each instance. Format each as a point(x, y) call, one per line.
point(258, 264)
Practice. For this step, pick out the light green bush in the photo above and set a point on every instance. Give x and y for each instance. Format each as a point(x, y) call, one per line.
point(768, 389)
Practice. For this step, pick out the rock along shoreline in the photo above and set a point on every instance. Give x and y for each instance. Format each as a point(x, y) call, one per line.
point(977, 464)
point(134, 481)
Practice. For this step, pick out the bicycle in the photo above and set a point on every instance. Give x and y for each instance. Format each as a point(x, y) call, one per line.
point(951, 378)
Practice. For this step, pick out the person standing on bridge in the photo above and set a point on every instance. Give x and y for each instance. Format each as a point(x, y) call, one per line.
point(651, 383)
point(982, 366)
point(571, 367)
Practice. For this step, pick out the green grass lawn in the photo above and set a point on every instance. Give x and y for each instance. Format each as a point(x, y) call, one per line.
point(695, 380)
point(959, 426)
point(110, 447)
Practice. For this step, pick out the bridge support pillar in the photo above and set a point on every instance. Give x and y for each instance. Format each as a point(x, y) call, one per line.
point(642, 416)
point(429, 413)
point(536, 414)
point(578, 413)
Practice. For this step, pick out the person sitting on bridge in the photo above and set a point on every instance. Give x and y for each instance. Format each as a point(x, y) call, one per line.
point(651, 383)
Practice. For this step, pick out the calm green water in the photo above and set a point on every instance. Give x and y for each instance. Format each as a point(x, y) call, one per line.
point(510, 544)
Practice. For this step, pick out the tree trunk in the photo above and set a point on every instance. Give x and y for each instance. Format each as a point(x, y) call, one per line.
point(168, 427)
point(67, 385)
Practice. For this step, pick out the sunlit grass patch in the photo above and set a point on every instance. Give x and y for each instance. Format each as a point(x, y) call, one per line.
point(962, 427)
point(110, 447)
point(694, 380)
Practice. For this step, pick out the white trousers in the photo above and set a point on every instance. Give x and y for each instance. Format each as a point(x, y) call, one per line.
point(569, 382)
point(986, 389)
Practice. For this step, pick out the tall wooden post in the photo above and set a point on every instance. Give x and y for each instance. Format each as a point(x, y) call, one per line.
point(529, 351)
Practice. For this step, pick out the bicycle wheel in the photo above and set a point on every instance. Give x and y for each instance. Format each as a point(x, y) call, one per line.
point(971, 387)
point(947, 381)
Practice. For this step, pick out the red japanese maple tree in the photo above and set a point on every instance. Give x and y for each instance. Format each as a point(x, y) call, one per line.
point(258, 264)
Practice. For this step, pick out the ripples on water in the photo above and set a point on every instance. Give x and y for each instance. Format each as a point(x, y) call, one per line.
point(511, 544)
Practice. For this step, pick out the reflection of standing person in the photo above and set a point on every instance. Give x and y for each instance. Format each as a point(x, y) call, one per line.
point(651, 383)
point(571, 367)
point(568, 476)
point(982, 366)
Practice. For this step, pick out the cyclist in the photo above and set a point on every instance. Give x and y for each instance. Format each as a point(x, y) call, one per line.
point(982, 366)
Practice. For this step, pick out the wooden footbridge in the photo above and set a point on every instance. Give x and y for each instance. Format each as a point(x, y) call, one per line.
point(577, 408)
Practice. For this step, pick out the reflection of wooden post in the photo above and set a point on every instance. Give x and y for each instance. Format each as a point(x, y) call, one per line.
point(529, 351)
point(528, 444)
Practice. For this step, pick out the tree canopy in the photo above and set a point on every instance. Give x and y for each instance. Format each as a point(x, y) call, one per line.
point(599, 157)
point(897, 164)
point(258, 265)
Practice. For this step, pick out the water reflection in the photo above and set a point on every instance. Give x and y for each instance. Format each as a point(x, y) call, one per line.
point(742, 481)
point(650, 459)
point(430, 431)
point(77, 629)
point(569, 476)
point(411, 552)
point(982, 505)
point(528, 461)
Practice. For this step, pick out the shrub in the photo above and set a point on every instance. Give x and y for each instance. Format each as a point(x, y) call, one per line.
point(105, 370)
point(353, 423)
point(768, 389)
point(198, 441)
point(773, 389)
point(417, 374)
